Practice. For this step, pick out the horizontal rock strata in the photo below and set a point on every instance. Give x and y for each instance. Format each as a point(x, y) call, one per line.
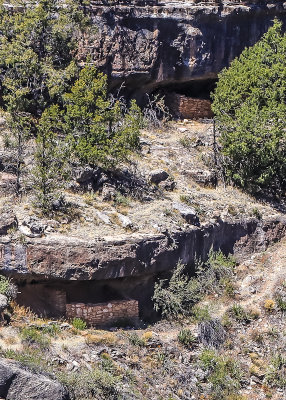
point(134, 255)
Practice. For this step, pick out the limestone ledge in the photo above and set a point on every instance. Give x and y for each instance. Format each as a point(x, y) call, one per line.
point(133, 256)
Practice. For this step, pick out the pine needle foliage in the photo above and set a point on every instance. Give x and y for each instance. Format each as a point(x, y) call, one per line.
point(249, 104)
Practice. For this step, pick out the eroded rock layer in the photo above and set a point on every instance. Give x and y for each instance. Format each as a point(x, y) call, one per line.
point(46, 258)
point(147, 46)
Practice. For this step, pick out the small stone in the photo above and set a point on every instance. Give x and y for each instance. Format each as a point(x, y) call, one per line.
point(125, 221)
point(108, 192)
point(188, 213)
point(103, 217)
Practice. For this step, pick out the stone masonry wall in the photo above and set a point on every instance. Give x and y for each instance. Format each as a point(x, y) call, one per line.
point(103, 313)
point(187, 107)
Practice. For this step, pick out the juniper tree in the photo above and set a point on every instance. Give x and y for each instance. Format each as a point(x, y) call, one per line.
point(249, 103)
point(38, 50)
point(104, 129)
point(50, 169)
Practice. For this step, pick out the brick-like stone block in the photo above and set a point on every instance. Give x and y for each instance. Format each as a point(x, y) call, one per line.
point(187, 107)
point(104, 313)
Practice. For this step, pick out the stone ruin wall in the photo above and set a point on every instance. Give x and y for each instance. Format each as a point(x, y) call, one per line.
point(188, 107)
point(102, 314)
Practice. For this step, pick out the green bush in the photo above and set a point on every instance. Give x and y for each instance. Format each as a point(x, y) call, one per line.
point(224, 374)
point(95, 384)
point(249, 104)
point(34, 336)
point(200, 313)
point(276, 374)
point(280, 296)
point(217, 274)
point(104, 130)
point(135, 340)
point(7, 288)
point(238, 313)
point(177, 296)
point(79, 324)
point(186, 338)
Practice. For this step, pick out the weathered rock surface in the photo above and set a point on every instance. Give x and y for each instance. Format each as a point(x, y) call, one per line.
point(188, 213)
point(158, 176)
point(3, 302)
point(16, 383)
point(8, 221)
point(159, 44)
point(134, 255)
point(211, 333)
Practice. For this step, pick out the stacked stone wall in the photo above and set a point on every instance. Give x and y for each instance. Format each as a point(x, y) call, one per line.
point(103, 314)
point(188, 107)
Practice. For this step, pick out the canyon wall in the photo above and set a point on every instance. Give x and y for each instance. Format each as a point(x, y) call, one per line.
point(50, 271)
point(149, 45)
point(133, 255)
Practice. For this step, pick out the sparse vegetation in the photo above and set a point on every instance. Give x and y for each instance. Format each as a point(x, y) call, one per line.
point(224, 375)
point(238, 313)
point(280, 296)
point(34, 336)
point(276, 374)
point(186, 338)
point(176, 297)
point(87, 385)
point(79, 324)
point(135, 340)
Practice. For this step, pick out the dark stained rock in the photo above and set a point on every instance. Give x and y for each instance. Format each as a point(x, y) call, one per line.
point(17, 383)
point(174, 43)
point(169, 184)
point(211, 333)
point(158, 176)
point(79, 259)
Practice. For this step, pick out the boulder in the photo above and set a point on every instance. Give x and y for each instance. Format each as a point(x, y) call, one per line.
point(84, 175)
point(125, 221)
point(158, 176)
point(188, 213)
point(36, 227)
point(89, 178)
point(17, 383)
point(211, 333)
point(8, 182)
point(103, 217)
point(8, 221)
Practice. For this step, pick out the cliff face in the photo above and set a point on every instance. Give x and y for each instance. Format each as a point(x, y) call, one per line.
point(52, 272)
point(69, 259)
point(158, 45)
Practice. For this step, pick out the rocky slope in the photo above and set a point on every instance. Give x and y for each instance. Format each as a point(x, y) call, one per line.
point(149, 45)
point(246, 360)
point(115, 242)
